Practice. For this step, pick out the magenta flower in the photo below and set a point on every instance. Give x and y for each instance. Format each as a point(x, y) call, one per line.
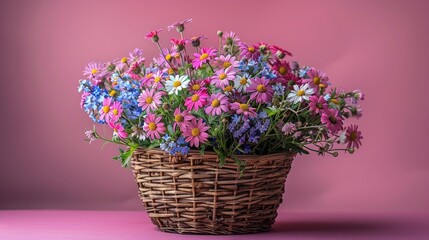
point(196, 132)
point(279, 52)
point(179, 44)
point(116, 111)
point(222, 77)
point(282, 67)
point(198, 84)
point(135, 70)
point(118, 130)
point(105, 110)
point(197, 100)
point(179, 26)
point(153, 35)
point(149, 100)
point(318, 104)
point(333, 122)
point(136, 55)
point(315, 78)
point(153, 126)
point(217, 104)
point(248, 52)
point(353, 137)
point(180, 118)
point(204, 56)
point(261, 90)
point(244, 109)
point(169, 56)
point(227, 61)
point(231, 38)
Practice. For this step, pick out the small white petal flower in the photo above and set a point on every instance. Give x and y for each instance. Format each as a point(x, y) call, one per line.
point(176, 83)
point(300, 93)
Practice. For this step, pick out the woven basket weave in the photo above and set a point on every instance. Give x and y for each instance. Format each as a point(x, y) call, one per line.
point(193, 195)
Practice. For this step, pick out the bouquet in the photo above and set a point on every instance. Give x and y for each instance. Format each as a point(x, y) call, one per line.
point(234, 99)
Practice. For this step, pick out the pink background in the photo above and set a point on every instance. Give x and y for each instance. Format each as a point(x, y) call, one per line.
point(377, 46)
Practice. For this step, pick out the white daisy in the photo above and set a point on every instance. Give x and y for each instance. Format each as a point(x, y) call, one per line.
point(300, 93)
point(241, 83)
point(176, 83)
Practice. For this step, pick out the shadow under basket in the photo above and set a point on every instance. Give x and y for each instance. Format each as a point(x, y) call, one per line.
point(192, 194)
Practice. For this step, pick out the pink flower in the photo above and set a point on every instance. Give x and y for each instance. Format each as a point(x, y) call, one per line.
point(317, 104)
point(226, 62)
point(83, 98)
point(93, 69)
point(282, 67)
point(333, 122)
point(315, 78)
point(180, 119)
point(222, 77)
point(353, 137)
point(105, 110)
point(153, 126)
point(179, 44)
point(197, 100)
point(248, 52)
point(118, 129)
point(135, 70)
point(196, 132)
point(136, 55)
point(231, 38)
point(116, 111)
point(205, 55)
point(169, 56)
point(179, 26)
point(153, 35)
point(261, 90)
point(149, 100)
point(244, 109)
point(218, 103)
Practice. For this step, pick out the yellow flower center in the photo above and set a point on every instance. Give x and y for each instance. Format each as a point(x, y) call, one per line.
point(94, 71)
point(300, 93)
point(204, 56)
point(222, 76)
point(149, 75)
point(195, 97)
point(170, 71)
point(115, 111)
point(114, 83)
point(322, 85)
point(316, 80)
point(149, 100)
point(243, 81)
point(215, 103)
point(282, 70)
point(157, 79)
point(251, 49)
point(177, 84)
point(168, 57)
point(244, 107)
point(226, 64)
point(106, 109)
point(228, 88)
point(333, 100)
point(152, 126)
point(196, 87)
point(112, 93)
point(261, 88)
point(177, 55)
point(124, 60)
point(195, 132)
point(178, 118)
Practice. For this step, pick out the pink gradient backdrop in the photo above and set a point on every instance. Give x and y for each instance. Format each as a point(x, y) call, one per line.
point(377, 46)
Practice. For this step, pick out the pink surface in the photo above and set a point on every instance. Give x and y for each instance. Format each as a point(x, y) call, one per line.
point(377, 46)
point(106, 225)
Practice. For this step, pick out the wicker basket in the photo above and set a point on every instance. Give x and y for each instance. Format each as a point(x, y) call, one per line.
point(194, 195)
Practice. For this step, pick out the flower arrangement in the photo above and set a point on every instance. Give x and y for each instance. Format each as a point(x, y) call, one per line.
point(234, 99)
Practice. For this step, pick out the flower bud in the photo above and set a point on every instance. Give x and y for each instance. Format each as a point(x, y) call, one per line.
point(351, 150)
point(335, 154)
point(195, 42)
point(155, 38)
point(180, 28)
point(280, 54)
point(219, 33)
point(166, 106)
point(111, 67)
point(294, 65)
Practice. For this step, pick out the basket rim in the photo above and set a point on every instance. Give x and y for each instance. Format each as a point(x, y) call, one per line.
point(211, 153)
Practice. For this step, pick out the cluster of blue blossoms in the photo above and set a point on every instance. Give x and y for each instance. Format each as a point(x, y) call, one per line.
point(173, 147)
point(259, 67)
point(248, 131)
